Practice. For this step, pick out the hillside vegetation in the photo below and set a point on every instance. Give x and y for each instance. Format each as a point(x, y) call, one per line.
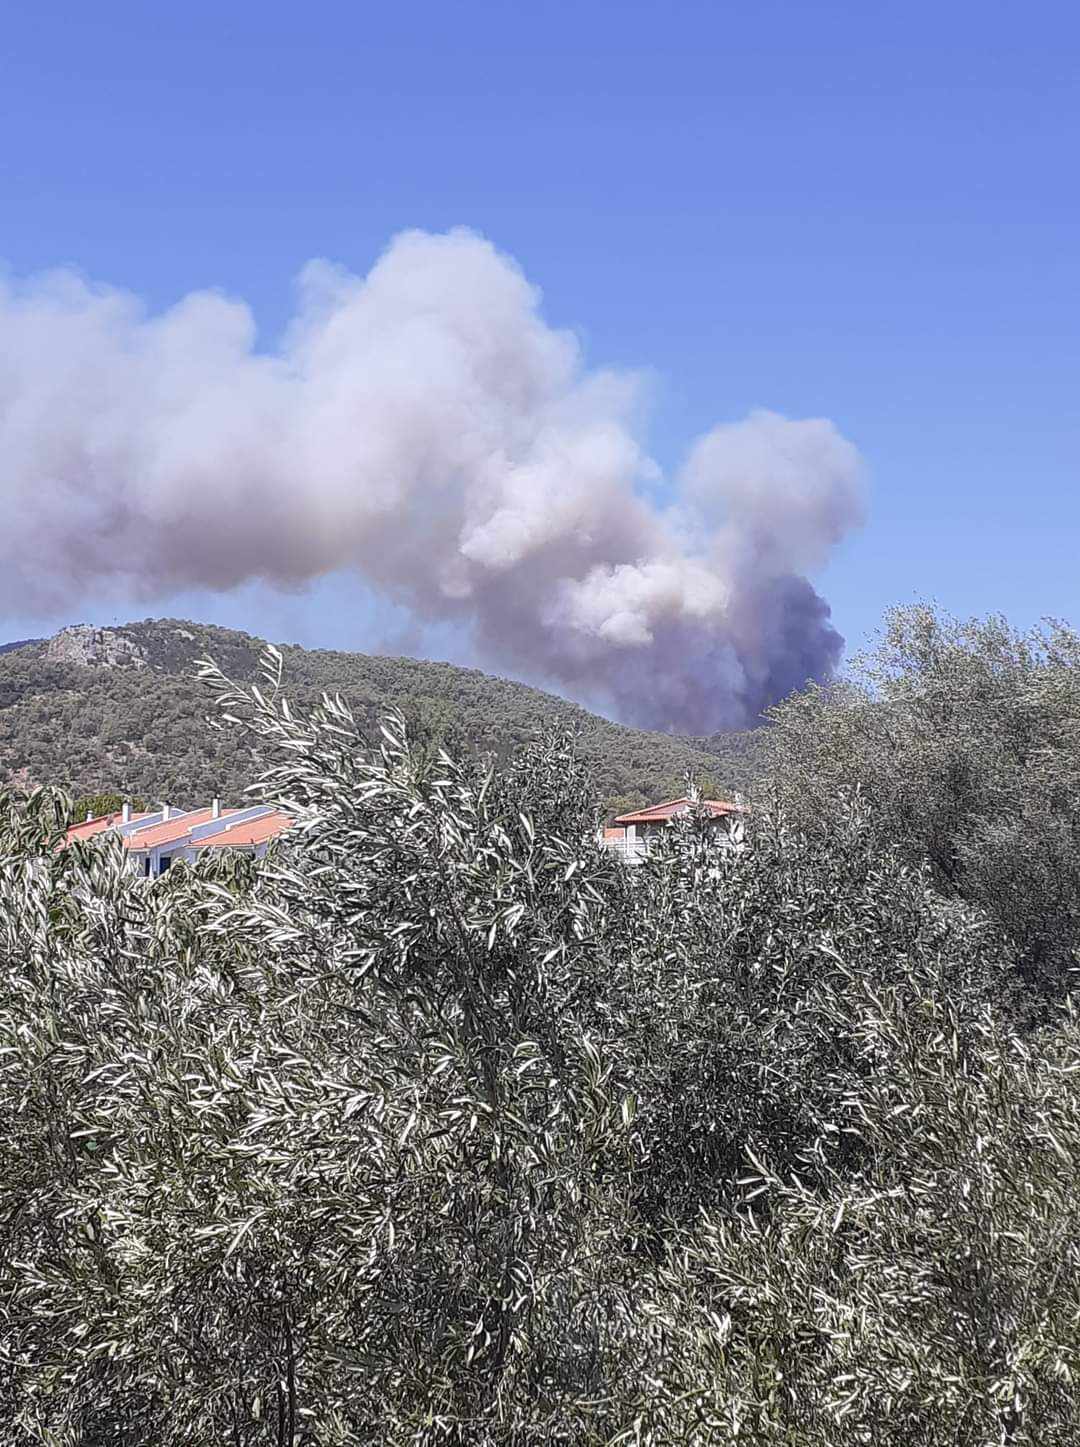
point(443, 1128)
point(121, 711)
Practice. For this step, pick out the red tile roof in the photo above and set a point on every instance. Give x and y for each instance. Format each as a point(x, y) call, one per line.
point(89, 827)
point(170, 830)
point(660, 813)
point(251, 831)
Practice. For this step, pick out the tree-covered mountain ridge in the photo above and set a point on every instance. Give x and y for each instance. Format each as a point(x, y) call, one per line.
point(120, 710)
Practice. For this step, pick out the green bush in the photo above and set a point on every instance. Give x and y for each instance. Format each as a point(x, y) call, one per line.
point(441, 1125)
point(964, 739)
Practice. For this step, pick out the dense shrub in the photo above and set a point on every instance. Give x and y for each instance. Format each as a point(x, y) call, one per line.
point(443, 1126)
point(964, 738)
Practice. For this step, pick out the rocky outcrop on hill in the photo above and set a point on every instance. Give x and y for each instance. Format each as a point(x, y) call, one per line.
point(94, 647)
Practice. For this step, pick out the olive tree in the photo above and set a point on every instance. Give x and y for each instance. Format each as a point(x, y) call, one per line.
point(442, 1125)
point(964, 739)
point(333, 1151)
point(931, 1296)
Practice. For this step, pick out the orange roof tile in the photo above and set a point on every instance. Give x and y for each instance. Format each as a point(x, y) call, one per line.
point(251, 831)
point(171, 829)
point(660, 813)
point(89, 827)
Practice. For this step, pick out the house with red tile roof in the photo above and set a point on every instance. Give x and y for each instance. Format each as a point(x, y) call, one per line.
point(157, 840)
point(250, 834)
point(92, 824)
point(633, 834)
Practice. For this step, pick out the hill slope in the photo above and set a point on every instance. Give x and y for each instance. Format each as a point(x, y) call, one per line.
point(119, 710)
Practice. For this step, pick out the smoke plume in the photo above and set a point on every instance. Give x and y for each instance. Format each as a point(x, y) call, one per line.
point(425, 426)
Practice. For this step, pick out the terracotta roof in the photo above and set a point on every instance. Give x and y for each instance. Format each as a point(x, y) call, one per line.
point(89, 827)
point(171, 829)
point(660, 813)
point(610, 833)
point(175, 830)
point(251, 831)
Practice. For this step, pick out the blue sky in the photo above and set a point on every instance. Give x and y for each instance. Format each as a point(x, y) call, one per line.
point(861, 212)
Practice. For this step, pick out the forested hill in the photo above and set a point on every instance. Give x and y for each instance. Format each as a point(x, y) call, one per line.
point(120, 710)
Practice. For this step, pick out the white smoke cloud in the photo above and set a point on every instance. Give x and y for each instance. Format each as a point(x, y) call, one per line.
point(425, 426)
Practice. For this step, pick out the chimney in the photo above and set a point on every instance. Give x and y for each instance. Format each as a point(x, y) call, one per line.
point(89, 815)
point(125, 814)
point(215, 809)
point(166, 812)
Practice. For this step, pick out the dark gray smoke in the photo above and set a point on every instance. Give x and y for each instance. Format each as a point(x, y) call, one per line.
point(425, 426)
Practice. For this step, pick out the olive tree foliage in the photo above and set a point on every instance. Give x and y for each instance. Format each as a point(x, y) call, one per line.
point(931, 1295)
point(964, 738)
point(442, 1125)
point(333, 1153)
point(747, 1015)
point(109, 991)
